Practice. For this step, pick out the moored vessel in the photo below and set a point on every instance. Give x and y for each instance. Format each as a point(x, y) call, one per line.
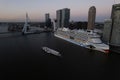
point(85, 38)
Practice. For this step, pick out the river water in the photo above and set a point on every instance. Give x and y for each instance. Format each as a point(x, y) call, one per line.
point(21, 57)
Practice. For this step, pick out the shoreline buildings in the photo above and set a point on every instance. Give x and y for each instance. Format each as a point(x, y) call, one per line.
point(48, 23)
point(115, 29)
point(111, 33)
point(59, 18)
point(107, 30)
point(47, 16)
point(63, 17)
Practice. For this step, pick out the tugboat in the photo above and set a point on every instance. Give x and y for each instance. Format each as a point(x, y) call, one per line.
point(51, 51)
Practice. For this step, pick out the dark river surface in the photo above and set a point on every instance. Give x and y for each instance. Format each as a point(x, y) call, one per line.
point(21, 57)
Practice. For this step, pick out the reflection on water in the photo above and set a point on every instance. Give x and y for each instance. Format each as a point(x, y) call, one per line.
point(22, 56)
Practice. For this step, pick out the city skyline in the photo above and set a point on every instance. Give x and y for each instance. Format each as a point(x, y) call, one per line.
point(14, 10)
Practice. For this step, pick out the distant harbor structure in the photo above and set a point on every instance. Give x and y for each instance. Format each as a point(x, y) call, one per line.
point(107, 30)
point(115, 29)
point(47, 16)
point(63, 17)
point(91, 18)
point(48, 23)
point(26, 25)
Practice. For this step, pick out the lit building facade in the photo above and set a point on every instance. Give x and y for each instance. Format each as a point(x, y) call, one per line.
point(48, 23)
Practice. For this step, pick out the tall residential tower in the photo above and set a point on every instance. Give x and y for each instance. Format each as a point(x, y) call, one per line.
point(63, 17)
point(59, 18)
point(115, 29)
point(107, 30)
point(47, 20)
point(47, 16)
point(91, 18)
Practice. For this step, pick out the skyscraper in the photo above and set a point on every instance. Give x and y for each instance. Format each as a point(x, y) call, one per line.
point(91, 18)
point(115, 31)
point(47, 20)
point(107, 30)
point(59, 18)
point(47, 16)
point(63, 16)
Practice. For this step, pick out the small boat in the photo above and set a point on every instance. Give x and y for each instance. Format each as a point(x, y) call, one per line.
point(51, 51)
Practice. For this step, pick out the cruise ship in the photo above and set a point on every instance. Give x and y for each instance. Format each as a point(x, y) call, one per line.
point(85, 38)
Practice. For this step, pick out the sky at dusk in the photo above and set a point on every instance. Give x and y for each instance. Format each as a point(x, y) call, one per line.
point(14, 10)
